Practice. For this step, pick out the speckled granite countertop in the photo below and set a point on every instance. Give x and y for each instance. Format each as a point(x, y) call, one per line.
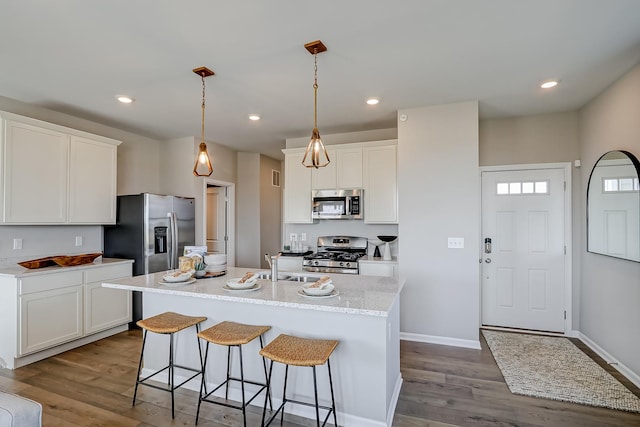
point(18, 271)
point(366, 295)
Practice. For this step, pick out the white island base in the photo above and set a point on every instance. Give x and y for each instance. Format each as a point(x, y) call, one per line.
point(364, 318)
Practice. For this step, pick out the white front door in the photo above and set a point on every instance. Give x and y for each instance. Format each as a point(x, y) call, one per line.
point(523, 273)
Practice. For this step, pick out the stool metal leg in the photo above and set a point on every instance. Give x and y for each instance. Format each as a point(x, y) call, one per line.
point(284, 392)
point(226, 387)
point(202, 383)
point(264, 410)
point(173, 415)
point(333, 402)
point(264, 365)
point(315, 394)
point(200, 354)
point(244, 410)
point(135, 391)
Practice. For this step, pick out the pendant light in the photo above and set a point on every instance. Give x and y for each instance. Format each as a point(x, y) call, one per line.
point(316, 155)
point(203, 162)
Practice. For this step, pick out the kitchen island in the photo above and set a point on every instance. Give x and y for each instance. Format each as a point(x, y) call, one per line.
point(364, 317)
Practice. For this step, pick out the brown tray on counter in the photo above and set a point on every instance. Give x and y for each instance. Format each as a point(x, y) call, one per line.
point(61, 260)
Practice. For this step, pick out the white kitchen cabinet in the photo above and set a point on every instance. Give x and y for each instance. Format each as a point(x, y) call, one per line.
point(55, 175)
point(378, 268)
point(344, 171)
point(50, 310)
point(105, 308)
point(380, 184)
point(297, 188)
point(92, 181)
point(325, 178)
point(35, 174)
point(46, 312)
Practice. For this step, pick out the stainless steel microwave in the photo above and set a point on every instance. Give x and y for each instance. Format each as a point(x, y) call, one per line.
point(337, 204)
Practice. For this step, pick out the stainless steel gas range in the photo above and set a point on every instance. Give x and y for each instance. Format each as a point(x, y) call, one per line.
point(336, 254)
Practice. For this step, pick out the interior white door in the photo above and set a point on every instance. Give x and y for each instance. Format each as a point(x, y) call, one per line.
point(523, 283)
point(216, 220)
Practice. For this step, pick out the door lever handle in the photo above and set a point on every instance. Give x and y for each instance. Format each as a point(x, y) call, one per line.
point(488, 260)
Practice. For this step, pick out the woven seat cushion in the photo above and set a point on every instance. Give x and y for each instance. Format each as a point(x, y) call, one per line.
point(232, 333)
point(298, 351)
point(169, 322)
point(17, 411)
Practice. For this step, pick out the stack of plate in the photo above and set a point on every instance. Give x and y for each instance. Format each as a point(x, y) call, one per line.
point(215, 263)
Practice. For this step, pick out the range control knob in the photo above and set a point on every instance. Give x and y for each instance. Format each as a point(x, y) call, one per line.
point(316, 263)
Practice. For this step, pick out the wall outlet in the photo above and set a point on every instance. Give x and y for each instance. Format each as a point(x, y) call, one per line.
point(455, 243)
point(78, 240)
point(17, 244)
point(303, 237)
point(293, 237)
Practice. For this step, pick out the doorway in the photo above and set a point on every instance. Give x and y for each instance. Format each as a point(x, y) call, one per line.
point(218, 231)
point(526, 262)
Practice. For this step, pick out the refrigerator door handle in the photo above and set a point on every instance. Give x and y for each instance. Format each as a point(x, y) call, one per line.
point(173, 246)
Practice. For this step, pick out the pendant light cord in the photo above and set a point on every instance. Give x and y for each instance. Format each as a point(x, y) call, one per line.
point(315, 88)
point(203, 106)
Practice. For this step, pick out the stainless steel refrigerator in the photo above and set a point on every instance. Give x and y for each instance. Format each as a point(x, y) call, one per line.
point(151, 229)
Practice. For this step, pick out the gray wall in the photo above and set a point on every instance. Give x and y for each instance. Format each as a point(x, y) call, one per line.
point(439, 183)
point(546, 138)
point(270, 209)
point(248, 211)
point(610, 294)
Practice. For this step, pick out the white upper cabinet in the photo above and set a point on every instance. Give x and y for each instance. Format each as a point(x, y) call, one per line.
point(55, 175)
point(325, 178)
point(344, 171)
point(35, 174)
point(297, 188)
point(92, 182)
point(380, 184)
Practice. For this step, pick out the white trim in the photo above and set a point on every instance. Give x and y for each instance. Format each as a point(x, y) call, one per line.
point(299, 410)
point(35, 357)
point(433, 339)
point(568, 227)
point(624, 370)
point(231, 215)
point(394, 402)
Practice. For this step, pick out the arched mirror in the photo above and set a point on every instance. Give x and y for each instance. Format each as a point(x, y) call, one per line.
point(613, 206)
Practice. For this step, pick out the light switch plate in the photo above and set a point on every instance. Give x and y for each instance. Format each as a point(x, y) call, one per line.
point(17, 244)
point(455, 243)
point(303, 237)
point(78, 240)
point(293, 237)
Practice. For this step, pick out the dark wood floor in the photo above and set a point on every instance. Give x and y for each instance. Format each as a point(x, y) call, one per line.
point(92, 386)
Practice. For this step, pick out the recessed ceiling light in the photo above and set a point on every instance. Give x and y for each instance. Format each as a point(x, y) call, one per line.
point(549, 84)
point(124, 99)
point(254, 117)
point(372, 101)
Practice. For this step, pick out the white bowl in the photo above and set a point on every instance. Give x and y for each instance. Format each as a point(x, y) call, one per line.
point(235, 283)
point(325, 289)
point(177, 276)
point(215, 259)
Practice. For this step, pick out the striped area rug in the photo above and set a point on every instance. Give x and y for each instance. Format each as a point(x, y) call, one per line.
point(554, 368)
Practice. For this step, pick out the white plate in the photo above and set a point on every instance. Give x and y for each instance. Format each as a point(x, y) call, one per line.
point(326, 289)
point(177, 276)
point(216, 268)
point(255, 287)
point(234, 283)
point(188, 282)
point(331, 295)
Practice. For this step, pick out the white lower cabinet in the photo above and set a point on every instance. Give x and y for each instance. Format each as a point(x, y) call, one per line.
point(389, 269)
point(49, 318)
point(105, 308)
point(58, 307)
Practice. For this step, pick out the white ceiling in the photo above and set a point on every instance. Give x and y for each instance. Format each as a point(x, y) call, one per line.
point(74, 56)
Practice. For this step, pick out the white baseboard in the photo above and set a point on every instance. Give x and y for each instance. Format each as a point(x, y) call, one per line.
point(394, 402)
point(628, 373)
point(299, 410)
point(433, 339)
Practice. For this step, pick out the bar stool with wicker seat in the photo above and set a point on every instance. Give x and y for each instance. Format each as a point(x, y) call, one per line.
point(168, 323)
point(295, 351)
point(232, 334)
